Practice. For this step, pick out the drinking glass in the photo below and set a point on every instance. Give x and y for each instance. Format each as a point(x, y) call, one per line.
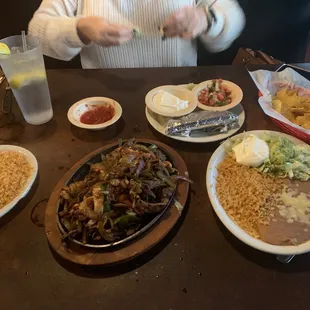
point(25, 72)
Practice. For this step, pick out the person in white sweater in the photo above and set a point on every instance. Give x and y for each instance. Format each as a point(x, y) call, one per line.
point(103, 31)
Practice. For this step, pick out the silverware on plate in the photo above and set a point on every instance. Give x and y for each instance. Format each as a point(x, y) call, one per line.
point(285, 259)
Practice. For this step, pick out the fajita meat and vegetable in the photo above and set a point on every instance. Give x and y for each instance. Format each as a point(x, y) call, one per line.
point(130, 185)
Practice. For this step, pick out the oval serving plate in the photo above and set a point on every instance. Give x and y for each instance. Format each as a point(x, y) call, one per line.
point(33, 162)
point(81, 169)
point(211, 176)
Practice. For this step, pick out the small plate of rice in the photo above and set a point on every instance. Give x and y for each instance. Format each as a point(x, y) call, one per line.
point(18, 171)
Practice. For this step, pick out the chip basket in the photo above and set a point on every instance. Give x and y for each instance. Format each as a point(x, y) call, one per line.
point(285, 127)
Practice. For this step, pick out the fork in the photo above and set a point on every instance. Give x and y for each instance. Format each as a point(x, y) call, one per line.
point(285, 259)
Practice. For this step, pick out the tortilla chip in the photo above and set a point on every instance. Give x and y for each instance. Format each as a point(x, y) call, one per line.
point(298, 111)
point(306, 106)
point(304, 99)
point(292, 101)
point(293, 106)
point(291, 92)
point(307, 117)
point(289, 115)
point(282, 94)
point(300, 120)
point(306, 125)
point(307, 100)
point(277, 104)
point(298, 101)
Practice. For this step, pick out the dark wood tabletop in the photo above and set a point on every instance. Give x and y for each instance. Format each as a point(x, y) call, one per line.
point(200, 265)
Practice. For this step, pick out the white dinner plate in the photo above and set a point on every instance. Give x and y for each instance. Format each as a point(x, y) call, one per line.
point(217, 157)
point(159, 122)
point(33, 162)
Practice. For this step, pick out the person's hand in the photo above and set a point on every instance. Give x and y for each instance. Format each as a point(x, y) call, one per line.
point(188, 23)
point(97, 30)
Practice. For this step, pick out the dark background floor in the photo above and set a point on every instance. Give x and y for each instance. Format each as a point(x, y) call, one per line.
point(278, 27)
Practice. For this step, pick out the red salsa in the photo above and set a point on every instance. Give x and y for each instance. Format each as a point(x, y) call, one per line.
point(98, 115)
point(215, 94)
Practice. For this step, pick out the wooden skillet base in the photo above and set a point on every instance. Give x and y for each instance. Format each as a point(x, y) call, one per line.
point(92, 257)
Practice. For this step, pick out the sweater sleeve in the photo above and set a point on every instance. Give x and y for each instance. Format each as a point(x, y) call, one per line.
point(54, 23)
point(230, 21)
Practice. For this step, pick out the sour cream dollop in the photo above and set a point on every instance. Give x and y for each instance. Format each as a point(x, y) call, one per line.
point(252, 151)
point(166, 101)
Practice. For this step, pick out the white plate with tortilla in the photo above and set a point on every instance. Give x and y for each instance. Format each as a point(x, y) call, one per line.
point(211, 181)
point(159, 122)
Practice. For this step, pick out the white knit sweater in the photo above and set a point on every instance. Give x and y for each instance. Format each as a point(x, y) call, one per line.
point(55, 25)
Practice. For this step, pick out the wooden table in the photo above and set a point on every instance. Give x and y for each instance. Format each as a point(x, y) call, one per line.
point(199, 266)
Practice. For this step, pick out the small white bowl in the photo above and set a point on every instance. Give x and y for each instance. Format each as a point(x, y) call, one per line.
point(79, 108)
point(236, 95)
point(34, 164)
point(178, 91)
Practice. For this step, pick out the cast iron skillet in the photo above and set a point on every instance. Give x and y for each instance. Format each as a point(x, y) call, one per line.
point(80, 174)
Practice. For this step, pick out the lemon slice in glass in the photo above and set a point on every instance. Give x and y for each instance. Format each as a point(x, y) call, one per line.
point(4, 49)
point(21, 79)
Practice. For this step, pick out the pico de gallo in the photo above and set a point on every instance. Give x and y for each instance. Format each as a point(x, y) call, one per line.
point(215, 94)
